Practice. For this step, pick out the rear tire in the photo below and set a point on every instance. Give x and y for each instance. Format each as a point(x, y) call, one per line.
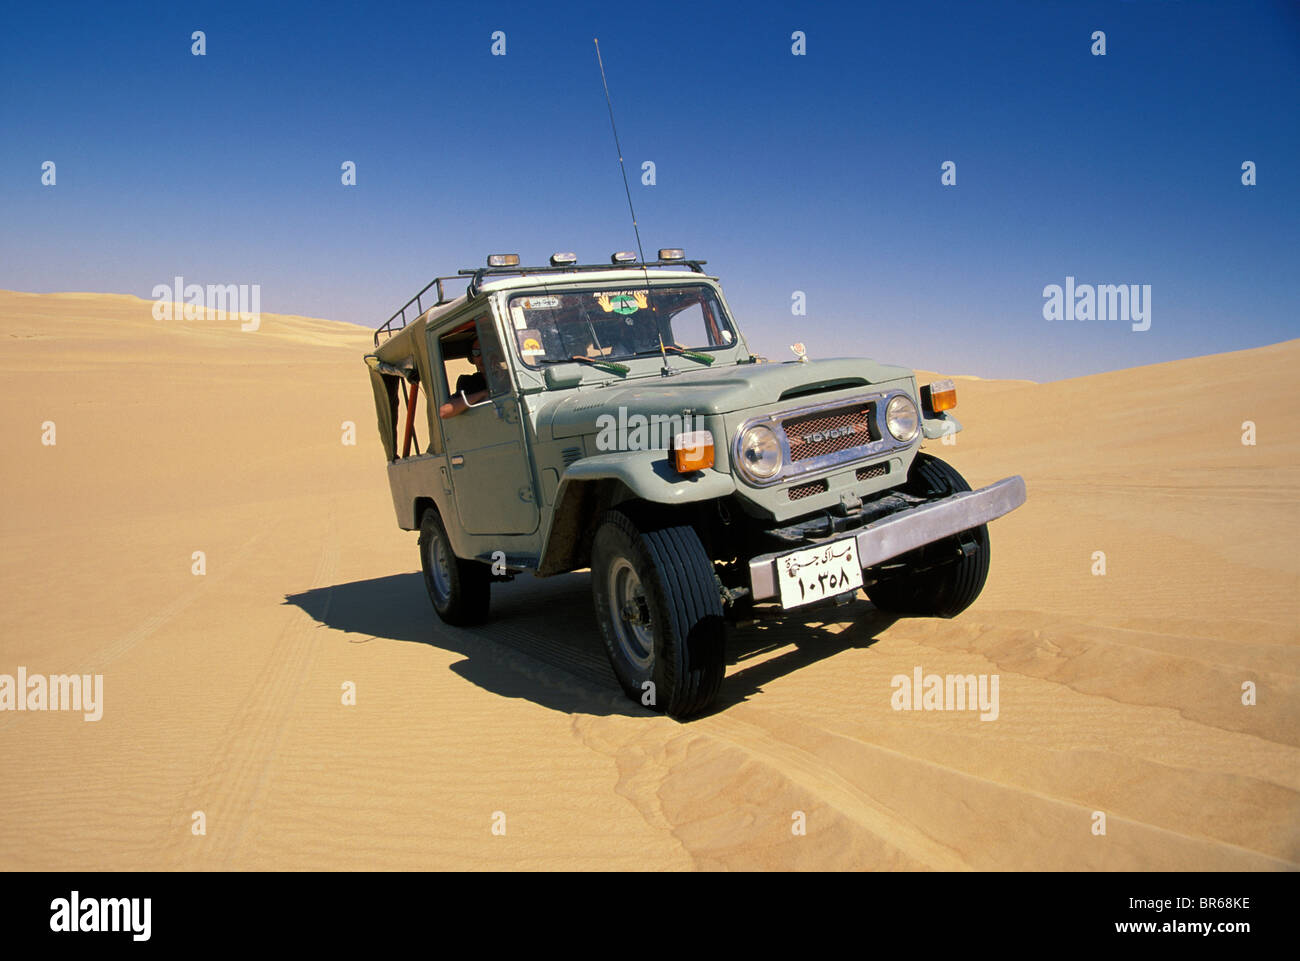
point(950, 588)
point(460, 590)
point(660, 613)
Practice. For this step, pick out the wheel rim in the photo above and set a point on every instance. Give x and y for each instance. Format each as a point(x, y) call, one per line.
point(630, 614)
point(439, 567)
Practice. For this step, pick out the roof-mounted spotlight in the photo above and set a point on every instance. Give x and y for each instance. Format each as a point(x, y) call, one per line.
point(623, 257)
point(560, 260)
point(503, 260)
point(672, 253)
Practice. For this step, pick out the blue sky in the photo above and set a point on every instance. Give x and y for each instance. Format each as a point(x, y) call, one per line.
point(818, 173)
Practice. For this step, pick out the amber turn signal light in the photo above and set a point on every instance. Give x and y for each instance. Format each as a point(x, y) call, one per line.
point(941, 396)
point(693, 451)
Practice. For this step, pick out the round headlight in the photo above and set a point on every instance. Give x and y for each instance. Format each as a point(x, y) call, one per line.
point(760, 452)
point(901, 419)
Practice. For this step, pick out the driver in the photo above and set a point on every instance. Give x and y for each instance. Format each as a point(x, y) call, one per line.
point(470, 388)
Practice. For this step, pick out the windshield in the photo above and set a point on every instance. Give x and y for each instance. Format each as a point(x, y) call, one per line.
point(618, 323)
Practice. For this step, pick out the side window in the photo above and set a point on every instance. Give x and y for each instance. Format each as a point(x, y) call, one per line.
point(457, 367)
point(494, 358)
point(472, 361)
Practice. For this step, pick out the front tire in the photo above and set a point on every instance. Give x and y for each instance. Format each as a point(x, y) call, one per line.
point(460, 590)
point(660, 613)
point(949, 588)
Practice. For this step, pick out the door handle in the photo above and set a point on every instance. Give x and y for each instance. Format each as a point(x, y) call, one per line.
point(457, 460)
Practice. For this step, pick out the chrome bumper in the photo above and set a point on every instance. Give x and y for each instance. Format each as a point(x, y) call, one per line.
point(908, 529)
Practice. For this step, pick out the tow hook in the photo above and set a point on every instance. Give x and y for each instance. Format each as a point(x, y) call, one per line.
point(732, 594)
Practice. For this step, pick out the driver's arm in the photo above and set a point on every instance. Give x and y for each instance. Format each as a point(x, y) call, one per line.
point(457, 405)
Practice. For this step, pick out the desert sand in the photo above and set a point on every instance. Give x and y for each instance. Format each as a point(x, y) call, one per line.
point(1119, 693)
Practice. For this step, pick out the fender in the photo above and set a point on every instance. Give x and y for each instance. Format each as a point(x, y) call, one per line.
point(649, 476)
point(594, 484)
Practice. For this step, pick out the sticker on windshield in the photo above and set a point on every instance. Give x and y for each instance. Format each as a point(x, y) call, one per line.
point(539, 303)
point(530, 343)
point(622, 303)
point(517, 314)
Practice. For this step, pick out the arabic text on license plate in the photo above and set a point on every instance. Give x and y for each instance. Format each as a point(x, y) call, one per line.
point(817, 573)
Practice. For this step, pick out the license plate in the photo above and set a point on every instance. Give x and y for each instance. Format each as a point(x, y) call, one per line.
point(816, 573)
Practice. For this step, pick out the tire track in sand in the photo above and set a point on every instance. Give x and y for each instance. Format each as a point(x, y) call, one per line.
point(229, 790)
point(123, 645)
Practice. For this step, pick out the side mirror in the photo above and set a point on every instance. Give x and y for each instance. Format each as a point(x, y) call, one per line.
point(563, 376)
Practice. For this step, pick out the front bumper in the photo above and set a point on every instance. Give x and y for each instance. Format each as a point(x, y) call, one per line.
point(908, 529)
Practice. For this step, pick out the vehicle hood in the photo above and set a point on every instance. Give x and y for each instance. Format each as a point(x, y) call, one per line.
point(720, 391)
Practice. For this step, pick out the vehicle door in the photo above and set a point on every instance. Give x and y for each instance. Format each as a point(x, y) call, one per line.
point(487, 457)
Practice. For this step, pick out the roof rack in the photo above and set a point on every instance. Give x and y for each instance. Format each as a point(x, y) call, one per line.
point(476, 275)
point(390, 326)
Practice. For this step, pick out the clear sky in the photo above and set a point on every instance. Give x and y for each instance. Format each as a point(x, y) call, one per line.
point(819, 173)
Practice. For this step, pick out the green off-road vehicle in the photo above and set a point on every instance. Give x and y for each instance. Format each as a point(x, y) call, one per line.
point(612, 417)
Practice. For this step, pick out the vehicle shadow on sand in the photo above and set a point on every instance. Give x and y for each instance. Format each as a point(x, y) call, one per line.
point(551, 623)
point(803, 636)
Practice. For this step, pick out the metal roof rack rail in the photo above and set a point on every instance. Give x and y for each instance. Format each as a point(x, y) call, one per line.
point(478, 273)
point(390, 327)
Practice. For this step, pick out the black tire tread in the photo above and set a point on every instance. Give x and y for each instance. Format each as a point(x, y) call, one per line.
point(471, 582)
point(696, 684)
point(684, 598)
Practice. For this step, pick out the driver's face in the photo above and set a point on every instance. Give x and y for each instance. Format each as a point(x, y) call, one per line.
point(476, 355)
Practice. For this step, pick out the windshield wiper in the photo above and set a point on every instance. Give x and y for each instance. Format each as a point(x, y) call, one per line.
point(608, 365)
point(701, 358)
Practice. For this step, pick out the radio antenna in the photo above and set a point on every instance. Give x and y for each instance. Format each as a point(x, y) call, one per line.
point(663, 353)
point(621, 166)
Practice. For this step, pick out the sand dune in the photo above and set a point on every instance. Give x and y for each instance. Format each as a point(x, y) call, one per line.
point(1119, 694)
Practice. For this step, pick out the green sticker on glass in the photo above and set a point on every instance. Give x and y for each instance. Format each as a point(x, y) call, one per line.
point(623, 304)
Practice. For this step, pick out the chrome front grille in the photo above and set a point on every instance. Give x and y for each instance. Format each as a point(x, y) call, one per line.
point(822, 433)
point(819, 438)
